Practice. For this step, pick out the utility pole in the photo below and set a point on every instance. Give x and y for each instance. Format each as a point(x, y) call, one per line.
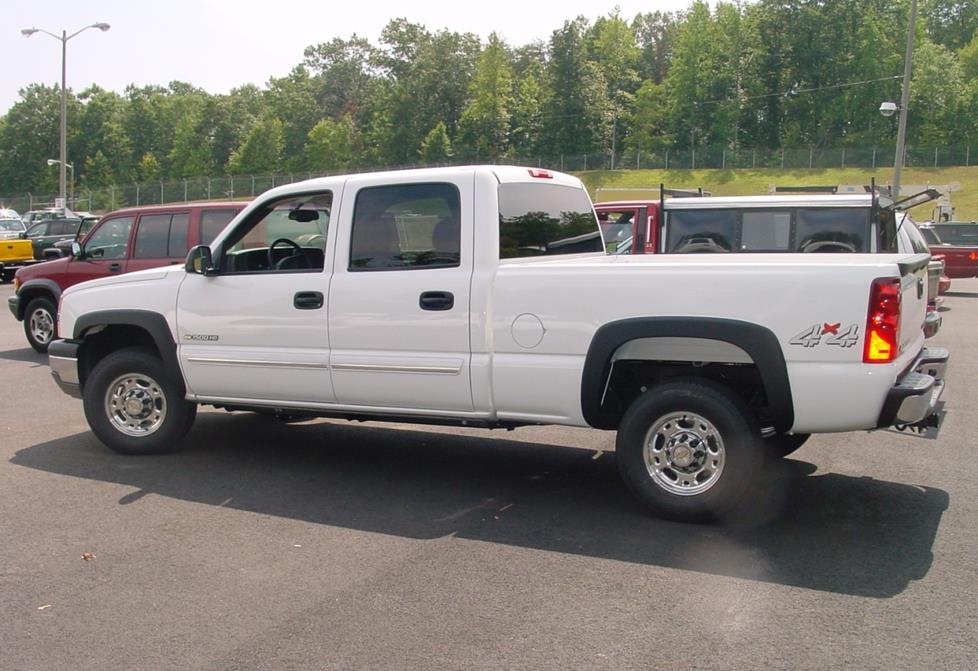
point(904, 102)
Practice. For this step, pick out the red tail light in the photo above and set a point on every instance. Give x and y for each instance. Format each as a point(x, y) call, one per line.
point(540, 174)
point(973, 256)
point(883, 322)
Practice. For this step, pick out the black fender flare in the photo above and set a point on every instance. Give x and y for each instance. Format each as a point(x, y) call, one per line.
point(759, 342)
point(30, 286)
point(152, 322)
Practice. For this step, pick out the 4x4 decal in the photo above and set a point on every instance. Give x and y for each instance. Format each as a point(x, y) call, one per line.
point(827, 334)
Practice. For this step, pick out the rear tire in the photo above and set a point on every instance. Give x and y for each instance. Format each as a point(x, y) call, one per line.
point(40, 323)
point(689, 450)
point(135, 406)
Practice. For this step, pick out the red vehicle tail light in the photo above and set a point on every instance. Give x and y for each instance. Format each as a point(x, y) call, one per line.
point(973, 256)
point(883, 322)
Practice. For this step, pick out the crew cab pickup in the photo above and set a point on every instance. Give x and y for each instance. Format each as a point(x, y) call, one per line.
point(462, 296)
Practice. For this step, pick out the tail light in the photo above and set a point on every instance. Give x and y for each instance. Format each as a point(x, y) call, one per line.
point(973, 256)
point(883, 322)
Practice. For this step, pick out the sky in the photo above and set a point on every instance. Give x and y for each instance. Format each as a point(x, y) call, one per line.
point(218, 46)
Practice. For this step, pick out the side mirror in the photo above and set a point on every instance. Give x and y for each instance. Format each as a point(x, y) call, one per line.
point(76, 249)
point(23, 235)
point(200, 261)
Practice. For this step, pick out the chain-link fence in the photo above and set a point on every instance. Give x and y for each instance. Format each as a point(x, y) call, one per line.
point(247, 187)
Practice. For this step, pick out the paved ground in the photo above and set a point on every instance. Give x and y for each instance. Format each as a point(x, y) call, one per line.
point(338, 546)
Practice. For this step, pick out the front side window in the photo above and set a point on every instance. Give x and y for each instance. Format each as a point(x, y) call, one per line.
point(406, 226)
point(212, 222)
point(38, 230)
point(288, 234)
point(110, 240)
point(698, 231)
point(540, 219)
point(617, 228)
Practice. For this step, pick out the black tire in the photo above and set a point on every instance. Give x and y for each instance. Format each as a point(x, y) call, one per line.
point(40, 323)
point(167, 418)
point(784, 444)
point(731, 465)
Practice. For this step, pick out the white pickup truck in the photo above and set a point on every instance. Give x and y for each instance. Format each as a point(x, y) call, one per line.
point(482, 296)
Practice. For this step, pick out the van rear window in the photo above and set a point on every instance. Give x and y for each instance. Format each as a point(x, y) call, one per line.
point(546, 219)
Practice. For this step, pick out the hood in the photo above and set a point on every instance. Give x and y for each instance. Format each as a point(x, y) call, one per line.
point(147, 275)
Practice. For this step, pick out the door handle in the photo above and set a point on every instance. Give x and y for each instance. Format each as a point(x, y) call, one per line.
point(437, 300)
point(115, 267)
point(308, 300)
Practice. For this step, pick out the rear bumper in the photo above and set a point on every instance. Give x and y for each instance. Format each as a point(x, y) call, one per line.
point(914, 397)
point(63, 359)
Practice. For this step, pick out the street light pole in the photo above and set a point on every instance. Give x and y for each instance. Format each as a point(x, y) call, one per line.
point(904, 102)
point(63, 38)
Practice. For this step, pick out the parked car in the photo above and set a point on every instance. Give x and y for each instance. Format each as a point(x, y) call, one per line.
point(960, 260)
point(45, 233)
point(14, 251)
point(964, 233)
point(121, 242)
point(482, 296)
point(63, 247)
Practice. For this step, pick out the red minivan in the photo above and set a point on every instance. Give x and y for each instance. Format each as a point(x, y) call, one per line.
point(134, 238)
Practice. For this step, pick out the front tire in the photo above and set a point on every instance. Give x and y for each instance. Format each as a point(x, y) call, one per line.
point(689, 450)
point(135, 406)
point(40, 323)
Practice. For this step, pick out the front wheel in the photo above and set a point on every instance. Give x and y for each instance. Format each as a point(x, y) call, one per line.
point(689, 450)
point(134, 405)
point(40, 323)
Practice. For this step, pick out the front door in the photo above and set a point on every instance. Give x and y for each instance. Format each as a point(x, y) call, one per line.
point(257, 330)
point(104, 251)
point(399, 299)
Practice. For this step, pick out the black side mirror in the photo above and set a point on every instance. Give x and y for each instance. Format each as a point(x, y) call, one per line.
point(200, 261)
point(23, 235)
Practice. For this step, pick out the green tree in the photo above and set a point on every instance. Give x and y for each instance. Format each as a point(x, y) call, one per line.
point(98, 171)
point(436, 146)
point(527, 116)
point(148, 169)
point(332, 145)
point(485, 123)
point(261, 150)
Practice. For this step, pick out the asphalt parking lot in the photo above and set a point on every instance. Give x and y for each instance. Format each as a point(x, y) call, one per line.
point(329, 545)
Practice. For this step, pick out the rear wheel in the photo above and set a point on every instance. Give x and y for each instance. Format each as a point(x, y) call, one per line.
point(40, 323)
point(689, 450)
point(134, 405)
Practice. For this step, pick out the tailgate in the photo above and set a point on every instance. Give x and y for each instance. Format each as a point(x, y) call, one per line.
point(913, 298)
point(16, 250)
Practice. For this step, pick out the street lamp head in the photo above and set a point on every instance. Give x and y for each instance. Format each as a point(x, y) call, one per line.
point(101, 26)
point(27, 32)
point(888, 108)
point(52, 161)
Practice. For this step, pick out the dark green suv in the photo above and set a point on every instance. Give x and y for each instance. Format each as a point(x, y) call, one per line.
point(44, 235)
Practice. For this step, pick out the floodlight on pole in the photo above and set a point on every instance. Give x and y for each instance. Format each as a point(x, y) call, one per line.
point(63, 38)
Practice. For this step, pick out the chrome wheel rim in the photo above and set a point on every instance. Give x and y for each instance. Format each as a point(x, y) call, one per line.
point(684, 453)
point(135, 404)
point(42, 326)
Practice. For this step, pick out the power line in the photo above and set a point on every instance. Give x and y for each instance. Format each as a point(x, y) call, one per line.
point(795, 91)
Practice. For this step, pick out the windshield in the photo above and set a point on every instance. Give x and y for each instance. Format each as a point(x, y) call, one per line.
point(8, 225)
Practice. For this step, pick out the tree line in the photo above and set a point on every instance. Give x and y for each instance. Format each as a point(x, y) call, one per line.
point(773, 73)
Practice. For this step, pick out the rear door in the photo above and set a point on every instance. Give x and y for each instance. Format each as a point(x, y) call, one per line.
point(399, 298)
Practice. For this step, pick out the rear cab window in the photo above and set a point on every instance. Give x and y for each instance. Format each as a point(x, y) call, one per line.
point(544, 220)
point(162, 236)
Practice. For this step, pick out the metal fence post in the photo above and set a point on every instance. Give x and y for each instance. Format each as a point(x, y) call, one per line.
point(208, 188)
point(692, 159)
point(185, 191)
point(811, 156)
point(232, 187)
point(30, 201)
point(753, 158)
point(638, 159)
point(782, 158)
point(935, 157)
point(161, 192)
point(667, 159)
point(561, 162)
point(137, 194)
point(843, 158)
point(252, 186)
point(967, 155)
point(874, 158)
point(585, 160)
point(723, 161)
point(112, 197)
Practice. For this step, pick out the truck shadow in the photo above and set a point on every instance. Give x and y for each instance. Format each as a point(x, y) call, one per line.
point(26, 354)
point(832, 533)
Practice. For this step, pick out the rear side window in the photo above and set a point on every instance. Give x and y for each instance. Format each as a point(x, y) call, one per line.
point(213, 222)
point(617, 227)
point(692, 231)
point(406, 226)
point(546, 219)
point(161, 236)
point(832, 229)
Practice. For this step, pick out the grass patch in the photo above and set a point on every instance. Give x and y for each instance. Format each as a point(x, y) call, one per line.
point(752, 182)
